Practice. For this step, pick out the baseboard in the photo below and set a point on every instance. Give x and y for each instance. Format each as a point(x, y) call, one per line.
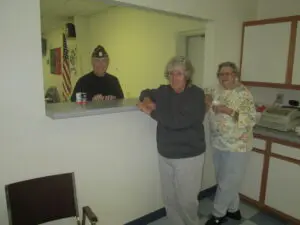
point(149, 218)
point(160, 213)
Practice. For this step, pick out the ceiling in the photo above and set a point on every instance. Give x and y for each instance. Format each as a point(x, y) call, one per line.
point(54, 13)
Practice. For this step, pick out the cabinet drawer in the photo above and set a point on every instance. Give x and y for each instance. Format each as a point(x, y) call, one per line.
point(259, 144)
point(287, 151)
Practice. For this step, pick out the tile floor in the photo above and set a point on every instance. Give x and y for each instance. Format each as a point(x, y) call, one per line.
point(251, 216)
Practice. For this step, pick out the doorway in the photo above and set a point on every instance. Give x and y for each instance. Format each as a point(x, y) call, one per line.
point(192, 45)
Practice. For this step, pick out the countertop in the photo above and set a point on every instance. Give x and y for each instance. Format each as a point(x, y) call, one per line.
point(71, 109)
point(285, 136)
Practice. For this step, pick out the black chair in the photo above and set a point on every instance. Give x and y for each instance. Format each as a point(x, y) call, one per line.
point(45, 199)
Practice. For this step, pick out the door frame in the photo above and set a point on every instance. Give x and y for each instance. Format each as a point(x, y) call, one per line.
point(182, 40)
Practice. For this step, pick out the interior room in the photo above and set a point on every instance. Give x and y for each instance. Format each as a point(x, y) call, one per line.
point(127, 33)
point(111, 147)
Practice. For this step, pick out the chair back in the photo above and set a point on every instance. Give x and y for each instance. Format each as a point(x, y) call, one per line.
point(41, 200)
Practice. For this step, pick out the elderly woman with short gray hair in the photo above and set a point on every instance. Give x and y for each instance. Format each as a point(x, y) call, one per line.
point(179, 109)
point(232, 117)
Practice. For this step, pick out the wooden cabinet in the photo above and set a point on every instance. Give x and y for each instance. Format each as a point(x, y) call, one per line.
point(296, 67)
point(272, 179)
point(252, 181)
point(270, 52)
point(284, 180)
point(283, 187)
point(265, 52)
point(259, 144)
point(286, 151)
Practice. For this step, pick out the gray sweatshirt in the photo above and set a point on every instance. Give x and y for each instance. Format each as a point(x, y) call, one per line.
point(179, 116)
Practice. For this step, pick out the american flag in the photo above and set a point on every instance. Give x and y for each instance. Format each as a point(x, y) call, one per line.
point(67, 85)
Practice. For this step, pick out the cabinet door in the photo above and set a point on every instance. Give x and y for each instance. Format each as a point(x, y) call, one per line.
point(259, 144)
point(252, 180)
point(296, 69)
point(265, 52)
point(283, 187)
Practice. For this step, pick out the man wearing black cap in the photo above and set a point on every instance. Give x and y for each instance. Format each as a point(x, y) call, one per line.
point(98, 84)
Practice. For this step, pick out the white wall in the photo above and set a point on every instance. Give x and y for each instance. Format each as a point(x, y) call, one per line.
point(114, 155)
point(206, 9)
point(268, 95)
point(277, 8)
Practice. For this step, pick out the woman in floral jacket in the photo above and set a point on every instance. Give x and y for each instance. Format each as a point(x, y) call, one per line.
point(232, 118)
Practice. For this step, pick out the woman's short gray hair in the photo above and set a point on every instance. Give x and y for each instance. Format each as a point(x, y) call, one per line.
point(180, 61)
point(232, 65)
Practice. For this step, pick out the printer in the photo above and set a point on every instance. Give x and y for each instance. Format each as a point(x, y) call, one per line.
point(280, 118)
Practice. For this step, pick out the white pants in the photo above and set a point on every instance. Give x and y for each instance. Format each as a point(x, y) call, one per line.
point(230, 169)
point(181, 182)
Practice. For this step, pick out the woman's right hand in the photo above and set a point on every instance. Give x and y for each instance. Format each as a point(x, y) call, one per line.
point(149, 103)
point(146, 106)
point(208, 100)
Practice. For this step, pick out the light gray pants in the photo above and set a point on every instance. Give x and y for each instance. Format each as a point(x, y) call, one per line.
point(181, 182)
point(230, 169)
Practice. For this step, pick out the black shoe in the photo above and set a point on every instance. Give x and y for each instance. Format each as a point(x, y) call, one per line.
point(235, 215)
point(216, 220)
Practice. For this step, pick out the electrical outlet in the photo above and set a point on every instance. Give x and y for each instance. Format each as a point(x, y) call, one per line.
point(279, 98)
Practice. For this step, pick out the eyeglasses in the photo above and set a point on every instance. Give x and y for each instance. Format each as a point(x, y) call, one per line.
point(175, 73)
point(224, 74)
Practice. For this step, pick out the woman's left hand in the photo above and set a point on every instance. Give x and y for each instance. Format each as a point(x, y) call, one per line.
point(222, 109)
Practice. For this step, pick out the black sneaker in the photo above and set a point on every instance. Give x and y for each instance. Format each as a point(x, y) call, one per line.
point(216, 220)
point(235, 215)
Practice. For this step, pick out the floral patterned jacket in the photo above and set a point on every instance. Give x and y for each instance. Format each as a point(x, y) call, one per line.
point(230, 133)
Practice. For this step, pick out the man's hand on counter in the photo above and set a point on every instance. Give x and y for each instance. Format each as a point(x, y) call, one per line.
point(98, 98)
point(109, 97)
point(103, 98)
